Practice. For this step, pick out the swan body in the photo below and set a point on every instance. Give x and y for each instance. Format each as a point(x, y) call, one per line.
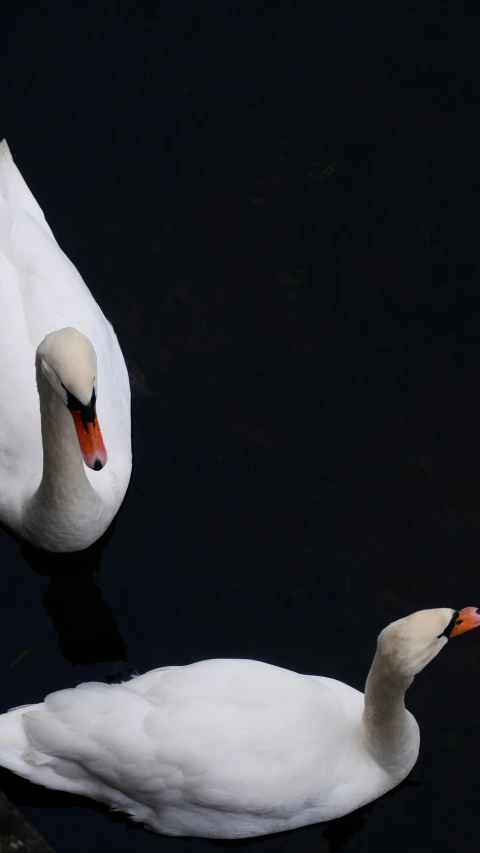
point(58, 356)
point(233, 748)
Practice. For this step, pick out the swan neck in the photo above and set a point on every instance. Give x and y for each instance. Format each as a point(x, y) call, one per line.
point(390, 731)
point(65, 510)
point(63, 467)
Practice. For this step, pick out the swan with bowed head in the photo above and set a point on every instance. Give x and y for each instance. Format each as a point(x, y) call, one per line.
point(65, 445)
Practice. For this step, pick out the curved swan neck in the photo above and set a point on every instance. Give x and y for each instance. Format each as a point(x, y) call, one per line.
point(390, 730)
point(63, 469)
point(64, 503)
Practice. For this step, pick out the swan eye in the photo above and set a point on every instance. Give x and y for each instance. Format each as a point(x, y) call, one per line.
point(87, 412)
point(446, 633)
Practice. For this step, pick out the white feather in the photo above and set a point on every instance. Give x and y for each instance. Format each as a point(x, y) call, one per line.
point(40, 292)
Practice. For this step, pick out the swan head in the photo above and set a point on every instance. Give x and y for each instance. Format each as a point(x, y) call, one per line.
point(409, 644)
point(68, 362)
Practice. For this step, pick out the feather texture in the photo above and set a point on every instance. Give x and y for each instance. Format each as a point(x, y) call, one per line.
point(40, 292)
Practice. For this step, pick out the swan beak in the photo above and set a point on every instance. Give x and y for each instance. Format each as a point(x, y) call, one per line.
point(468, 618)
point(90, 438)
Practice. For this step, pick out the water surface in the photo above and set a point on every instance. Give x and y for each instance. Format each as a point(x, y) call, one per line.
point(277, 208)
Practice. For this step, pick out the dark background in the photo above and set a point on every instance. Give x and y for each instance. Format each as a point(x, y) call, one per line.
point(276, 204)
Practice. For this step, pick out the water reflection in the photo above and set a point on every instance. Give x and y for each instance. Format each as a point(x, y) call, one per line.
point(339, 832)
point(86, 627)
point(84, 621)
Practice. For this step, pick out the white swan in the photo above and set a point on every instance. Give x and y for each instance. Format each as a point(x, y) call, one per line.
point(48, 317)
point(233, 748)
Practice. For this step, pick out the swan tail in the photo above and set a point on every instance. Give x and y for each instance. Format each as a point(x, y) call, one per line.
point(13, 189)
point(36, 745)
point(14, 745)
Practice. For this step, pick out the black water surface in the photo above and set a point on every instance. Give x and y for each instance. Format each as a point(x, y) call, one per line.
point(276, 204)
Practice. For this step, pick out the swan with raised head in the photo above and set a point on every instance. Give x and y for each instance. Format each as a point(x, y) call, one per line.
point(234, 748)
point(57, 489)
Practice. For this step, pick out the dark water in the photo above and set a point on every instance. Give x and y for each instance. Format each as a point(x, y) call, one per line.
point(277, 207)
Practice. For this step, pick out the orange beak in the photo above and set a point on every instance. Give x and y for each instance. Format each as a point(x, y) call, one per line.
point(90, 440)
point(468, 618)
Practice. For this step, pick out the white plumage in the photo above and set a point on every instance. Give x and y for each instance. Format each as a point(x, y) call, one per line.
point(233, 748)
point(41, 292)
